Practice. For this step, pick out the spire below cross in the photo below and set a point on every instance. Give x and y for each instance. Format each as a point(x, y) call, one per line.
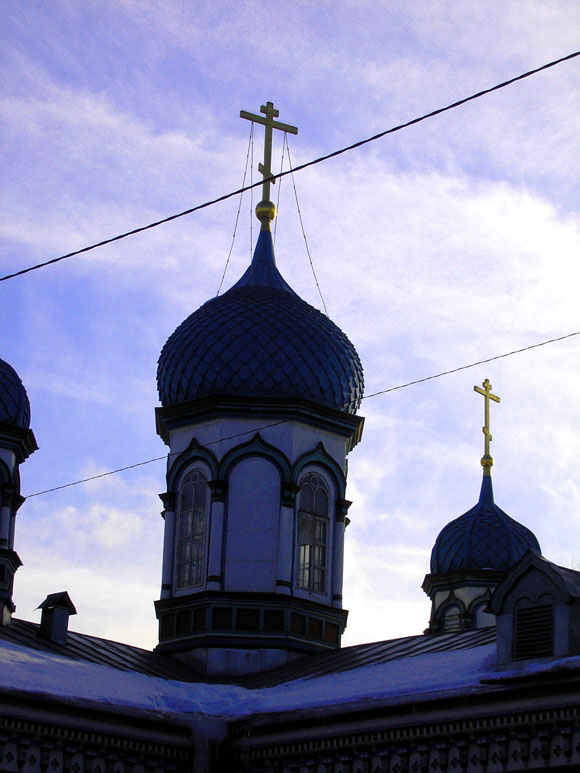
point(268, 121)
point(486, 459)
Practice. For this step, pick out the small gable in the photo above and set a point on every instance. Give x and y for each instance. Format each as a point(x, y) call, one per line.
point(537, 608)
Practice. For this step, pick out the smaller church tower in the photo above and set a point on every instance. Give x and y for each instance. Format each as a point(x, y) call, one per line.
point(259, 394)
point(473, 553)
point(17, 442)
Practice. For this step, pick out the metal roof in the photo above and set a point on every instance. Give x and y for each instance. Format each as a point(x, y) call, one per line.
point(81, 646)
point(260, 339)
point(127, 657)
point(14, 404)
point(359, 655)
point(482, 538)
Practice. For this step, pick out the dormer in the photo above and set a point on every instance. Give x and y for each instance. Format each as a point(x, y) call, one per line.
point(537, 609)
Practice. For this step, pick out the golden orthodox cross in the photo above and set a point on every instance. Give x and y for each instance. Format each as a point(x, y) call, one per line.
point(486, 460)
point(268, 121)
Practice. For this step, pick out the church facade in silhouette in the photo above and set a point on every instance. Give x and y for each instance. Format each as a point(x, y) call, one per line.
point(259, 396)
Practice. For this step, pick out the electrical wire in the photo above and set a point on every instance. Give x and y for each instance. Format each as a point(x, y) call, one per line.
point(284, 421)
point(239, 209)
point(252, 199)
point(279, 189)
point(299, 168)
point(471, 365)
point(304, 232)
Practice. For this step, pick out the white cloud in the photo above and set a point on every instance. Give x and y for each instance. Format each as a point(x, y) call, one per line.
point(440, 245)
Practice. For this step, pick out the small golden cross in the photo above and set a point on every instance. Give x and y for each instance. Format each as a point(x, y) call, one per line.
point(486, 459)
point(268, 121)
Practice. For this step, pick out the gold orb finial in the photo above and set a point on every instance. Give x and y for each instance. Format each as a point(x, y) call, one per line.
point(487, 463)
point(265, 212)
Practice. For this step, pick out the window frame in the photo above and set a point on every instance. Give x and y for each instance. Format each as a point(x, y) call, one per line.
point(313, 535)
point(191, 531)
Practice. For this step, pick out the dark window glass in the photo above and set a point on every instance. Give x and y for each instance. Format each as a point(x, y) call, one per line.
point(191, 530)
point(314, 628)
point(199, 620)
point(222, 618)
point(313, 529)
point(248, 620)
point(183, 625)
point(331, 633)
point(166, 626)
point(273, 620)
point(298, 624)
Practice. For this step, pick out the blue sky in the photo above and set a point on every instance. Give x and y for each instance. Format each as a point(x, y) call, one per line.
point(449, 242)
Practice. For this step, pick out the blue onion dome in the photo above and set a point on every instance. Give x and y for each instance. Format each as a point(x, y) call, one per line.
point(260, 339)
point(14, 404)
point(483, 538)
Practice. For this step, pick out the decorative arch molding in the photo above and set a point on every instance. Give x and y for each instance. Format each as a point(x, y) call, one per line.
point(319, 455)
point(530, 564)
point(10, 476)
point(193, 453)
point(478, 614)
point(483, 599)
point(6, 476)
point(544, 597)
point(451, 599)
point(257, 446)
point(10, 487)
point(16, 482)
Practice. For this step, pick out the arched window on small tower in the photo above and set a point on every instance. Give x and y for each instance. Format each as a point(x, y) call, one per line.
point(191, 530)
point(313, 533)
point(450, 618)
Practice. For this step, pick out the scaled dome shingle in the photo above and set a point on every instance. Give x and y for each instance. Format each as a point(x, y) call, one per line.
point(260, 339)
point(482, 538)
point(14, 404)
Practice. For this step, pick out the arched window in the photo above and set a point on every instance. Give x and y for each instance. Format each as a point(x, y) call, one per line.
point(450, 619)
point(313, 527)
point(191, 530)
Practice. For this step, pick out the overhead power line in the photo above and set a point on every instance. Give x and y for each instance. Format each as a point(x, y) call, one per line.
point(303, 231)
point(299, 168)
point(471, 365)
point(284, 421)
point(250, 145)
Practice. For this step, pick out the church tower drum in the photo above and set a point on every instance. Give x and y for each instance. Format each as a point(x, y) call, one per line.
point(259, 395)
point(17, 442)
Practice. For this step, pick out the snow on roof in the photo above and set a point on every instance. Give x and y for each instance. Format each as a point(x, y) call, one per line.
point(42, 673)
point(423, 677)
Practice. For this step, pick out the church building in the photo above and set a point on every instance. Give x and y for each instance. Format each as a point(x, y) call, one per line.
point(259, 396)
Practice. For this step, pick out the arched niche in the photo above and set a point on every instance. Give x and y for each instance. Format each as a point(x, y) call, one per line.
point(252, 523)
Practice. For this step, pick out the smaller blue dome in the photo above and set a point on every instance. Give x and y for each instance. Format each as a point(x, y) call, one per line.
point(483, 538)
point(14, 405)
